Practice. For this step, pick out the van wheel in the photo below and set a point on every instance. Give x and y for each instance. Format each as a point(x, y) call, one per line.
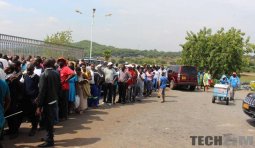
point(172, 85)
point(192, 88)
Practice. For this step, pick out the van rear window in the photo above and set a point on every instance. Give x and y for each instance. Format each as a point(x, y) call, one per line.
point(189, 70)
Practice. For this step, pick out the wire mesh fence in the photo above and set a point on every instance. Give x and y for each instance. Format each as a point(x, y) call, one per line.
point(13, 45)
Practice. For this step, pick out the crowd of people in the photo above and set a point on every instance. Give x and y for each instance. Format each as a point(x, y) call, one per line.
point(45, 91)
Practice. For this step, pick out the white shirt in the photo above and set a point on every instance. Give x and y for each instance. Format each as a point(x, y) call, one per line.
point(92, 81)
point(157, 74)
point(140, 79)
point(161, 71)
point(5, 62)
point(2, 74)
point(38, 71)
point(109, 74)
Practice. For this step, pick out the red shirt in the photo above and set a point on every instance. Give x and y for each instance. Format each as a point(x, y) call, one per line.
point(65, 72)
point(133, 77)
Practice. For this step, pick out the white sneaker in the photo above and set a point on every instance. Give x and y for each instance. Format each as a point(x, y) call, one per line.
point(103, 103)
point(109, 104)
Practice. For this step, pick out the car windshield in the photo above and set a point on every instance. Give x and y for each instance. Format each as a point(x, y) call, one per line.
point(189, 70)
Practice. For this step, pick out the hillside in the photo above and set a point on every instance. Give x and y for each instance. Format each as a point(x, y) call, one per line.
point(123, 52)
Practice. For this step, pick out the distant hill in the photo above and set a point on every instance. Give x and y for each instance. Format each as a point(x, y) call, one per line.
point(123, 52)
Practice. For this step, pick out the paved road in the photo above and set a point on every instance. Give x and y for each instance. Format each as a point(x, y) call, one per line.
point(149, 124)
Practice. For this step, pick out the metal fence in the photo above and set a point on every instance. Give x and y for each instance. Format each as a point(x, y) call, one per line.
point(12, 45)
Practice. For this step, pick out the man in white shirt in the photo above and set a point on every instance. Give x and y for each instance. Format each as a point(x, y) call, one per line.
point(140, 82)
point(109, 73)
point(155, 79)
point(161, 70)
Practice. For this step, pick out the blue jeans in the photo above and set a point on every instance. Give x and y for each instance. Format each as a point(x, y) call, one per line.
point(155, 83)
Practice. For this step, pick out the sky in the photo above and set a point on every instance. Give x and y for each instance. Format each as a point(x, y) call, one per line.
point(137, 24)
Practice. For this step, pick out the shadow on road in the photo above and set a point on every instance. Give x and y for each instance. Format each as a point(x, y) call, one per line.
point(231, 103)
point(71, 142)
point(170, 101)
point(72, 126)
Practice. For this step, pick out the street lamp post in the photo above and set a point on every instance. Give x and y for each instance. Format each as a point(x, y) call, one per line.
point(91, 33)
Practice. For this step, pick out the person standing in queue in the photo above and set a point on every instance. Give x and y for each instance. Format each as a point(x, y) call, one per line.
point(49, 94)
point(65, 75)
point(122, 83)
point(4, 104)
point(17, 99)
point(109, 81)
point(31, 81)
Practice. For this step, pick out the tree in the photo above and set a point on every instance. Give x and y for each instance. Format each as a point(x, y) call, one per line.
point(107, 54)
point(222, 52)
point(63, 37)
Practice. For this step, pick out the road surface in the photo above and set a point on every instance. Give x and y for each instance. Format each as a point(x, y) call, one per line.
point(149, 124)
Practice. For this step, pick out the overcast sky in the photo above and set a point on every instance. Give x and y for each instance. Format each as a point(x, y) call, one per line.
point(139, 24)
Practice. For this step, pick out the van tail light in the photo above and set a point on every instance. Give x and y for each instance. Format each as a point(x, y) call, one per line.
point(179, 77)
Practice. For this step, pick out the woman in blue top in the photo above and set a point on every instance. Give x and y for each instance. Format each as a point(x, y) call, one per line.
point(72, 90)
point(162, 86)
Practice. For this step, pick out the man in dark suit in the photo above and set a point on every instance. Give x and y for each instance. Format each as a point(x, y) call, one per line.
point(49, 93)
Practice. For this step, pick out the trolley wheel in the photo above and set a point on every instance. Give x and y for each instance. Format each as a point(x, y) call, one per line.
point(227, 100)
point(213, 99)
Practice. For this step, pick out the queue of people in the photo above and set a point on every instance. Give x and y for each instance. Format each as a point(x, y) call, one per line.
point(45, 91)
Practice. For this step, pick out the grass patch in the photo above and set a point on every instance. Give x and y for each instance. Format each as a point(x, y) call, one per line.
point(247, 77)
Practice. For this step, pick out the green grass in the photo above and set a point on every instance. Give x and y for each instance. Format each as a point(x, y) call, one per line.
point(247, 77)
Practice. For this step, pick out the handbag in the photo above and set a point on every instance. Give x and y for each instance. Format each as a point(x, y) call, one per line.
point(77, 101)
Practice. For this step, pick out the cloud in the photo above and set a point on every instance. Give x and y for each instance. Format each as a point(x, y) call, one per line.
point(52, 20)
point(5, 6)
point(5, 23)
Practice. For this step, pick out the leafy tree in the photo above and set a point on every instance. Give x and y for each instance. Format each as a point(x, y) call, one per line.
point(107, 54)
point(63, 37)
point(222, 52)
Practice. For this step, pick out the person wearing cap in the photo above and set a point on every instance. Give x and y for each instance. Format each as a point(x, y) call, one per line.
point(131, 94)
point(110, 78)
point(234, 82)
point(65, 75)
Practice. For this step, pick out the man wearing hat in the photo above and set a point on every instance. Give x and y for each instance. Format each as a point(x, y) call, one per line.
point(65, 75)
point(109, 73)
point(131, 83)
point(234, 82)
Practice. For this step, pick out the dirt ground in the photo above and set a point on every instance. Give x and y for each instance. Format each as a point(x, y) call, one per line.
point(148, 124)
